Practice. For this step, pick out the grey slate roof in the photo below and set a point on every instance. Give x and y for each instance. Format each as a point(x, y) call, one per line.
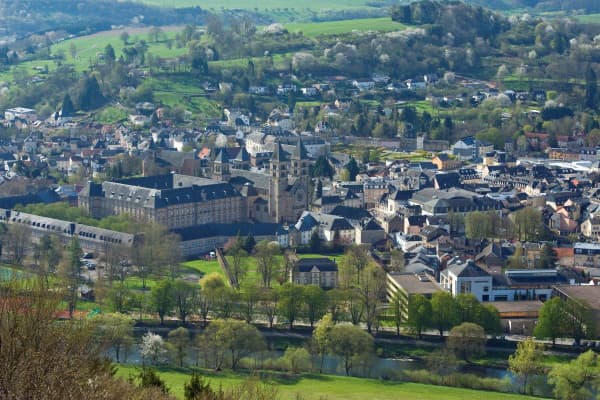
point(322, 264)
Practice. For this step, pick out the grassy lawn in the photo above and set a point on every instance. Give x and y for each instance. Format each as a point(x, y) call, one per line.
point(333, 387)
point(89, 47)
point(182, 90)
point(590, 18)
point(339, 27)
point(134, 282)
point(202, 267)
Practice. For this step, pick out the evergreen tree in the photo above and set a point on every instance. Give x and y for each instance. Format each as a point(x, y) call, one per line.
point(591, 88)
point(67, 107)
point(197, 389)
point(352, 168)
point(548, 257)
point(90, 95)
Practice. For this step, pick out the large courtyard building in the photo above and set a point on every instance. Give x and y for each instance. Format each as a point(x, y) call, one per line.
point(175, 201)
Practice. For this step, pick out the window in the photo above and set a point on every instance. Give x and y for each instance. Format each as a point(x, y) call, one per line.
point(486, 288)
point(465, 287)
point(485, 297)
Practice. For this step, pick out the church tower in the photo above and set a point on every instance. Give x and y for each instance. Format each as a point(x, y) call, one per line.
point(220, 170)
point(278, 184)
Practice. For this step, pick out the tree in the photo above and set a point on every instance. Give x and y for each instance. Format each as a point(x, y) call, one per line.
point(50, 250)
point(291, 299)
point(67, 108)
point(185, 297)
point(118, 297)
point(269, 304)
point(249, 296)
point(579, 322)
point(152, 348)
point(148, 378)
point(349, 342)
point(197, 389)
point(591, 88)
point(162, 299)
point(419, 314)
point(90, 95)
point(442, 362)
point(16, 242)
point(43, 359)
point(124, 36)
point(526, 363)
point(352, 168)
point(529, 224)
point(232, 339)
point(551, 320)
point(114, 331)
point(467, 340)
point(235, 250)
point(267, 261)
point(296, 360)
point(444, 312)
point(70, 272)
point(398, 308)
point(322, 168)
point(211, 285)
point(576, 380)
point(548, 257)
point(396, 260)
point(178, 343)
point(314, 243)
point(371, 292)
point(109, 54)
point(355, 260)
point(321, 339)
point(315, 301)
point(224, 302)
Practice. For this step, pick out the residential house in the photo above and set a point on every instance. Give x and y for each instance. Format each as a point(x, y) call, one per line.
point(444, 163)
point(590, 228)
point(322, 272)
point(369, 232)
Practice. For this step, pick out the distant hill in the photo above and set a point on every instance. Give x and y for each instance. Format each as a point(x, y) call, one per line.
point(22, 17)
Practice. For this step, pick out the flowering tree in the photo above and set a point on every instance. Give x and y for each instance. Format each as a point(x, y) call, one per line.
point(153, 348)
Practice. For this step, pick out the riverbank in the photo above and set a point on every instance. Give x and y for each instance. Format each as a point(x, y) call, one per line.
point(331, 387)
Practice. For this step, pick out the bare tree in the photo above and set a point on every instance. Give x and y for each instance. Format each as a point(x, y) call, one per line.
point(267, 261)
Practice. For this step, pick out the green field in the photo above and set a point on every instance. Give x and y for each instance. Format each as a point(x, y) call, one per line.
point(590, 18)
point(340, 27)
point(261, 4)
point(88, 48)
point(335, 387)
point(202, 267)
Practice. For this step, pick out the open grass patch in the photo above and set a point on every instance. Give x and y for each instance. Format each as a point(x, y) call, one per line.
point(345, 26)
point(329, 387)
point(202, 267)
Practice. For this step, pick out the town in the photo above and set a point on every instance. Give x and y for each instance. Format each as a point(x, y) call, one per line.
point(269, 202)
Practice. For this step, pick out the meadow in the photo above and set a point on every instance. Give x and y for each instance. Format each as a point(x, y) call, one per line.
point(331, 387)
point(261, 4)
point(589, 18)
point(345, 26)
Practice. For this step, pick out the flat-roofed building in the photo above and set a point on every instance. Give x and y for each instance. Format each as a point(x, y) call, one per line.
point(407, 285)
point(518, 317)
